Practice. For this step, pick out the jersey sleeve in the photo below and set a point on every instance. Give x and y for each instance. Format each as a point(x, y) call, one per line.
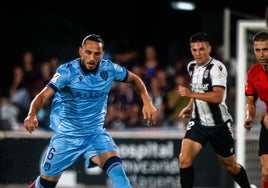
point(121, 73)
point(250, 86)
point(60, 78)
point(219, 75)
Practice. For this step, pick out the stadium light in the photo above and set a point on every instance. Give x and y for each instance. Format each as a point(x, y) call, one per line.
point(183, 5)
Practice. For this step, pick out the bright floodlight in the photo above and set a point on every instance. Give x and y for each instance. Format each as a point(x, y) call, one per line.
point(183, 5)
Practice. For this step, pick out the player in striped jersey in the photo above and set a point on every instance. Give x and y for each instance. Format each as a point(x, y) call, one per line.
point(210, 120)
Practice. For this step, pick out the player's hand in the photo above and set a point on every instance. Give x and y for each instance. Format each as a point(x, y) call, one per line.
point(184, 91)
point(185, 113)
point(30, 123)
point(150, 114)
point(248, 124)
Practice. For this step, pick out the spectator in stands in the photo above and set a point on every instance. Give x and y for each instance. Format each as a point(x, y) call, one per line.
point(18, 93)
point(8, 115)
point(150, 62)
point(55, 63)
point(30, 69)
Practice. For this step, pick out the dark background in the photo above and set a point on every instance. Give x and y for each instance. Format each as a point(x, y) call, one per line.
point(57, 27)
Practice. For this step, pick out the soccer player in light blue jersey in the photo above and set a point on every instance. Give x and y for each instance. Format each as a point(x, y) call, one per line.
point(80, 89)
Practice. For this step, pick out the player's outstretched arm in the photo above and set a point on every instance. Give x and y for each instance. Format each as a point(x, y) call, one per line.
point(31, 122)
point(150, 113)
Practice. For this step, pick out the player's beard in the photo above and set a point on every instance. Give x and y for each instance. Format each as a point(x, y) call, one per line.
point(89, 66)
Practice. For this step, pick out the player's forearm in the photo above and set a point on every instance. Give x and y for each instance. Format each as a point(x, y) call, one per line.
point(35, 106)
point(211, 97)
point(250, 111)
point(140, 87)
point(190, 104)
point(142, 91)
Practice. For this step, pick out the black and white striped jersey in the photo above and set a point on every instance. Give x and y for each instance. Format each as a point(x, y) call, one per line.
point(203, 78)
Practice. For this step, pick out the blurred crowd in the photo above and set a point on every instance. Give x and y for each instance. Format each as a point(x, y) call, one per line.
point(28, 77)
point(25, 80)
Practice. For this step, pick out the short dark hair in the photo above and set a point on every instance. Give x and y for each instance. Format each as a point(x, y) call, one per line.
point(260, 36)
point(93, 37)
point(199, 37)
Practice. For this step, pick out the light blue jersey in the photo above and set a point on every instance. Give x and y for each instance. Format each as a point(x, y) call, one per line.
point(55, 111)
point(81, 104)
point(77, 115)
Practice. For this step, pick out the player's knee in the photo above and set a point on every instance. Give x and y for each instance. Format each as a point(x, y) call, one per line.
point(233, 168)
point(184, 161)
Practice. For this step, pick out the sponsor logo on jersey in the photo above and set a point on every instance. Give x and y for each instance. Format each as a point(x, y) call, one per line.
point(55, 77)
